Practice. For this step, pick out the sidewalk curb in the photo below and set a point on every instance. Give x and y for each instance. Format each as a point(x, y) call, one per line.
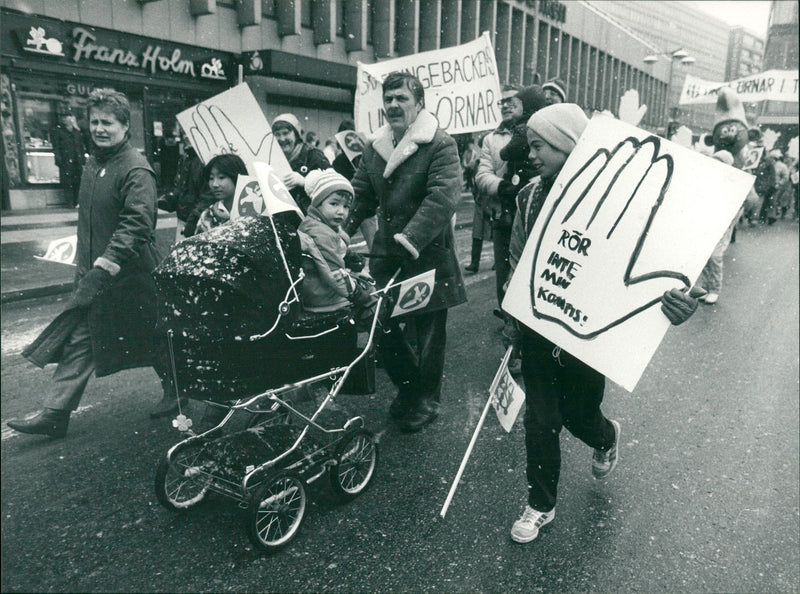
point(17, 295)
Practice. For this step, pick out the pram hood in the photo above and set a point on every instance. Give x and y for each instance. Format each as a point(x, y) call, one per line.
point(229, 282)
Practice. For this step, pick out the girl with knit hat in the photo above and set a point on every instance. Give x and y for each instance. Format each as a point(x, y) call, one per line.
point(328, 285)
point(302, 157)
point(560, 390)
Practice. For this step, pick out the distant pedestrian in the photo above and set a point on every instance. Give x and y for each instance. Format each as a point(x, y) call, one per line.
point(69, 152)
point(554, 91)
point(410, 174)
point(110, 321)
point(190, 195)
point(302, 157)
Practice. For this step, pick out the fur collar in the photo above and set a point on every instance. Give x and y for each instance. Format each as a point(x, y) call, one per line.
point(421, 131)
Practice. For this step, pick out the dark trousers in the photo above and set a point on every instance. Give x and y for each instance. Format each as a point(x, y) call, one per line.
point(417, 372)
point(560, 391)
point(501, 239)
point(77, 365)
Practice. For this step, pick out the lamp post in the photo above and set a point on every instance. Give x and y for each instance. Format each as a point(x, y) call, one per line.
point(685, 59)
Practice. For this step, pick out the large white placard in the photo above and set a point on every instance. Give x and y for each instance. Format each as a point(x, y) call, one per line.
point(233, 122)
point(773, 85)
point(630, 216)
point(461, 84)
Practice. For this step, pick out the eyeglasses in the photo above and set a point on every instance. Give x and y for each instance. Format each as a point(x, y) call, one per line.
point(507, 101)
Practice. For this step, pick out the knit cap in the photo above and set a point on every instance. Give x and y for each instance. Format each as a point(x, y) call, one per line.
point(560, 125)
point(532, 98)
point(557, 86)
point(321, 183)
point(291, 120)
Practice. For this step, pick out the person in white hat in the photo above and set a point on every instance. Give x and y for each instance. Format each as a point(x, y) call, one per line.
point(301, 156)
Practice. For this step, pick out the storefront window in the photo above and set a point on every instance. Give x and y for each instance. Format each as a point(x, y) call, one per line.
point(38, 121)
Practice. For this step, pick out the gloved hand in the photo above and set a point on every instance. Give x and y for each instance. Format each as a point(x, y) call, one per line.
point(678, 306)
point(91, 286)
point(293, 180)
point(354, 261)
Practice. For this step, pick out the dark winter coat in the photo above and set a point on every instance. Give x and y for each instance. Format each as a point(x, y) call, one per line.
point(415, 188)
point(117, 222)
point(306, 160)
point(191, 191)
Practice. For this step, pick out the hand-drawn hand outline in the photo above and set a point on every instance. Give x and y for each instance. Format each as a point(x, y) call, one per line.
point(212, 132)
point(629, 109)
point(590, 205)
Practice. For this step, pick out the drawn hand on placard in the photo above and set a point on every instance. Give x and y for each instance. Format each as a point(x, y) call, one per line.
point(212, 133)
point(629, 109)
point(603, 216)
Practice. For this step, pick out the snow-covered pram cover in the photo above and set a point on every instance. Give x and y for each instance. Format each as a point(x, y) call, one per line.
point(221, 289)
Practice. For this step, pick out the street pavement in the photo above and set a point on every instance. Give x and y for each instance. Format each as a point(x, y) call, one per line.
point(705, 498)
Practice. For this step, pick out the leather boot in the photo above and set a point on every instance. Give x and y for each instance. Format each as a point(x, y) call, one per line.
point(424, 414)
point(50, 421)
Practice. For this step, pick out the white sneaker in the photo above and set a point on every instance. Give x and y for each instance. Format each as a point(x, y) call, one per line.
point(527, 527)
point(710, 298)
point(604, 462)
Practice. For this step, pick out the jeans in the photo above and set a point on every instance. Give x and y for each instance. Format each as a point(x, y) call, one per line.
point(560, 391)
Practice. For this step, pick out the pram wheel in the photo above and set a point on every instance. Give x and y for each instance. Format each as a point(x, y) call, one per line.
point(356, 457)
point(276, 510)
point(181, 482)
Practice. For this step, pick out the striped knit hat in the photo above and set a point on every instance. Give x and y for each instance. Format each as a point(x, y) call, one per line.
point(321, 183)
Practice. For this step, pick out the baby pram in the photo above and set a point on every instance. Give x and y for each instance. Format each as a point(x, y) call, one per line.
point(239, 341)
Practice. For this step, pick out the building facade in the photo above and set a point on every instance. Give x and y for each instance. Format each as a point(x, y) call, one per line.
point(745, 54)
point(781, 53)
point(296, 55)
point(670, 25)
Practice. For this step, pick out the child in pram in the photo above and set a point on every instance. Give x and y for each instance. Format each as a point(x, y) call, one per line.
point(328, 285)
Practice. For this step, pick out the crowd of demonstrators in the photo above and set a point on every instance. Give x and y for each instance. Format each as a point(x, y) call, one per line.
point(560, 390)
point(729, 139)
point(109, 323)
point(189, 195)
point(411, 176)
point(302, 157)
point(70, 154)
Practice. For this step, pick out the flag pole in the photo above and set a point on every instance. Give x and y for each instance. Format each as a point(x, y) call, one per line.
point(467, 454)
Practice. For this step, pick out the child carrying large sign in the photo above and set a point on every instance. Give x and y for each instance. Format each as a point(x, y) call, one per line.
point(629, 217)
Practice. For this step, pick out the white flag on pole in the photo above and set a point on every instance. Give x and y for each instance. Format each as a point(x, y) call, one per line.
point(275, 195)
point(61, 250)
point(415, 293)
point(506, 395)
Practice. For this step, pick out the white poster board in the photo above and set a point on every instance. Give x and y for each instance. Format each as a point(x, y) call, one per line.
point(461, 84)
point(630, 216)
point(233, 122)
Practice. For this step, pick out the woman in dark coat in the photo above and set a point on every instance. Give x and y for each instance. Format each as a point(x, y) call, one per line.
point(302, 157)
point(115, 296)
point(69, 154)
